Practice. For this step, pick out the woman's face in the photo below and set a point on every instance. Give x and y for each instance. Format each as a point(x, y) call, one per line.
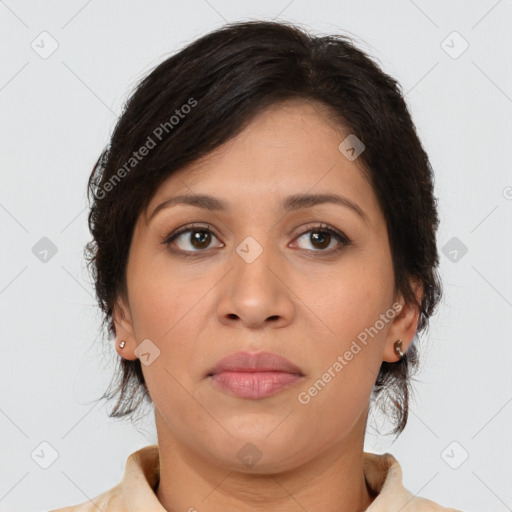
point(263, 275)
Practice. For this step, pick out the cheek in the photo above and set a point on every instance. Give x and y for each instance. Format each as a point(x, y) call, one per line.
point(164, 310)
point(168, 316)
point(353, 297)
point(161, 298)
point(349, 357)
point(360, 293)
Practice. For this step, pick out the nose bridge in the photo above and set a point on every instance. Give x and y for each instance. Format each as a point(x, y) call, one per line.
point(251, 250)
point(254, 257)
point(256, 245)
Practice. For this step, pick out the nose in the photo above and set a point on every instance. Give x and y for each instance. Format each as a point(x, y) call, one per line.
point(254, 294)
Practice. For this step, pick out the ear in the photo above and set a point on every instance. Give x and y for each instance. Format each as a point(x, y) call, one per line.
point(124, 330)
point(404, 324)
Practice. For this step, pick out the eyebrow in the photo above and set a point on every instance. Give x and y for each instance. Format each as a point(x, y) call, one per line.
point(290, 204)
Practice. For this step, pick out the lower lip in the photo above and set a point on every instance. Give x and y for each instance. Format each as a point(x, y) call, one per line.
point(254, 384)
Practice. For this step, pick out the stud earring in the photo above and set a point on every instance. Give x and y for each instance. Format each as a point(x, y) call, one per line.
point(398, 348)
point(122, 344)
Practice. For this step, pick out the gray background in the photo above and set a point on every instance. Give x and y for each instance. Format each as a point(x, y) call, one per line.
point(57, 114)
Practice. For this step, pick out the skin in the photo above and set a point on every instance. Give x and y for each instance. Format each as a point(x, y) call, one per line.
point(295, 299)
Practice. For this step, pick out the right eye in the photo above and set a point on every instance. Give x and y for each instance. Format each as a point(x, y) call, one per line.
point(198, 239)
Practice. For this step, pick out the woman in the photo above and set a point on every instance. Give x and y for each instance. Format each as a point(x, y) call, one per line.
point(264, 254)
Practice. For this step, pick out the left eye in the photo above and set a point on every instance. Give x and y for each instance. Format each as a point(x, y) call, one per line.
point(321, 238)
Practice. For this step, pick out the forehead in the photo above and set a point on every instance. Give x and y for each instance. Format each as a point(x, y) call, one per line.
point(289, 148)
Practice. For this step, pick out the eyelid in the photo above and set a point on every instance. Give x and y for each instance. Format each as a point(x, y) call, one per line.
point(168, 238)
point(322, 226)
point(339, 235)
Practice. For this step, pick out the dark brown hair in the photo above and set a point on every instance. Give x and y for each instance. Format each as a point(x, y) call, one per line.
point(207, 93)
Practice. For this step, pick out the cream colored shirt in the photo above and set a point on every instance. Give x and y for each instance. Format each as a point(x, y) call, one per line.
point(135, 493)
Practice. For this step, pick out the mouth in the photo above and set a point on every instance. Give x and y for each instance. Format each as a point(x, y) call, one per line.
point(254, 375)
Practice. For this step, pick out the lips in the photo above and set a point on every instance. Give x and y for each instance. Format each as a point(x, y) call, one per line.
point(254, 376)
point(255, 362)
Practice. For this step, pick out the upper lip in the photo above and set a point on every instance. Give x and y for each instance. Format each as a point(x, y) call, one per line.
point(254, 362)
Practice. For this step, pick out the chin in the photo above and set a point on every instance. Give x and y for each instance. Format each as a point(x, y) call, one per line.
point(259, 453)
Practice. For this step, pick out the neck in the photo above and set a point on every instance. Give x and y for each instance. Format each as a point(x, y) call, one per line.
point(333, 480)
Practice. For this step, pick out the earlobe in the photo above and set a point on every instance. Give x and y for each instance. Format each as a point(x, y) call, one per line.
point(125, 351)
point(403, 328)
point(398, 348)
point(125, 343)
point(395, 349)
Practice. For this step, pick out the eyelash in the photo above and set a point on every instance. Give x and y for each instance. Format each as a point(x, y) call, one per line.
point(323, 228)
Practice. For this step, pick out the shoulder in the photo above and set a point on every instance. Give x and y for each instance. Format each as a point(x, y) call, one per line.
point(108, 500)
point(384, 476)
point(419, 504)
point(134, 492)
